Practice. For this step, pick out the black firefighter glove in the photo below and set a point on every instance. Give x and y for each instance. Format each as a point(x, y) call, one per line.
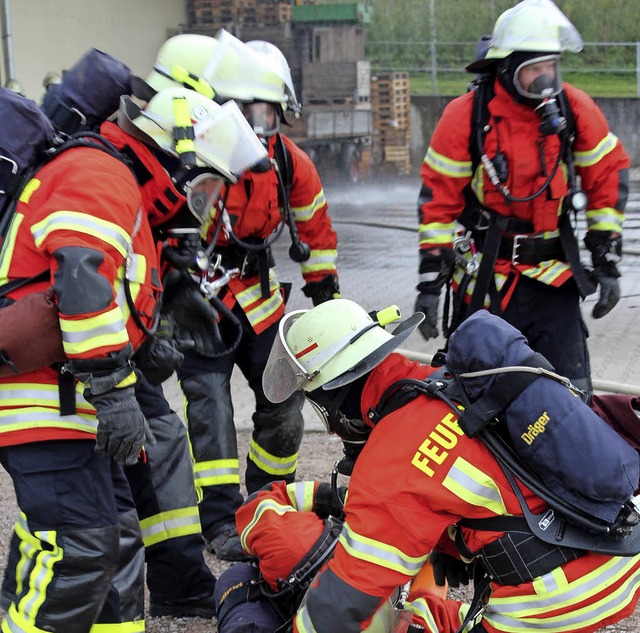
point(324, 502)
point(160, 354)
point(606, 252)
point(121, 424)
point(195, 320)
point(435, 268)
point(447, 569)
point(324, 290)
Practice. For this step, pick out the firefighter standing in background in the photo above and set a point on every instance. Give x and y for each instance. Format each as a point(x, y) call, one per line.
point(508, 175)
point(94, 239)
point(240, 231)
point(417, 482)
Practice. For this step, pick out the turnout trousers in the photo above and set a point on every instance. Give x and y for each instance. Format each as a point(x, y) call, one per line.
point(79, 561)
point(277, 428)
point(165, 498)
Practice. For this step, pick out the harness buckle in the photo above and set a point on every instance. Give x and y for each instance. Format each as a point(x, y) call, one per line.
point(521, 237)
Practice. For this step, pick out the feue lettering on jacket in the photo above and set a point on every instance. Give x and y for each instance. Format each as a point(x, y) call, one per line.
point(437, 445)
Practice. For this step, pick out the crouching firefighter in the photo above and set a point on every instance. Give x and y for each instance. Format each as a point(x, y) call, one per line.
point(290, 531)
point(420, 482)
point(515, 161)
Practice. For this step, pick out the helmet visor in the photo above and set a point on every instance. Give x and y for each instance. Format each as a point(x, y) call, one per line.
point(283, 374)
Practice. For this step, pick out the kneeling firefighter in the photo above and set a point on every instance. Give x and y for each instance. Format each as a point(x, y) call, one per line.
point(283, 190)
point(91, 240)
point(290, 530)
point(419, 482)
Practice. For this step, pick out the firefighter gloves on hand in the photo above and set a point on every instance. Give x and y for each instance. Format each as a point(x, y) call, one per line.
point(606, 252)
point(195, 320)
point(447, 569)
point(427, 303)
point(609, 294)
point(121, 424)
point(324, 290)
point(325, 504)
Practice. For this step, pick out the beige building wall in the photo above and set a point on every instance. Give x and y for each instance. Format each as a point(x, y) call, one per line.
point(52, 34)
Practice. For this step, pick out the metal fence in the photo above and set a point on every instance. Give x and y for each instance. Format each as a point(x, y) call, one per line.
point(442, 61)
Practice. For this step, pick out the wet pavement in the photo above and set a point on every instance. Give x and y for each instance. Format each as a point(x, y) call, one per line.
point(378, 266)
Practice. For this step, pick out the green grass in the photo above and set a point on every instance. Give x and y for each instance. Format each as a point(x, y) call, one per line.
point(596, 84)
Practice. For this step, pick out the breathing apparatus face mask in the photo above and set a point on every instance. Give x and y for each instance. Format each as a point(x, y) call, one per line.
point(537, 82)
point(201, 189)
point(262, 117)
point(338, 409)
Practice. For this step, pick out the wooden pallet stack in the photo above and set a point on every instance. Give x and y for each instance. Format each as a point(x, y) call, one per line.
point(390, 104)
point(219, 13)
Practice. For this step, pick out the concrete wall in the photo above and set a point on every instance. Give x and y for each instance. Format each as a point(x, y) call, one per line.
point(623, 116)
point(52, 34)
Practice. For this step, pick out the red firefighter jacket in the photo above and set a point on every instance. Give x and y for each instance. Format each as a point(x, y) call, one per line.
point(530, 156)
point(84, 201)
point(416, 477)
point(252, 205)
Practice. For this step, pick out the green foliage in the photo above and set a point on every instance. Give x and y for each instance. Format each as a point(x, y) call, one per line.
point(400, 38)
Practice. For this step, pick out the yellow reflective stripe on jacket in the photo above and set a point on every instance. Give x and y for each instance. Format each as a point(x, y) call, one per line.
point(301, 495)
point(436, 233)
point(40, 576)
point(305, 213)
point(267, 505)
point(8, 246)
point(30, 417)
point(320, 260)
point(590, 157)
point(475, 487)
point(303, 621)
point(265, 308)
point(216, 472)
point(379, 553)
point(547, 272)
point(33, 394)
point(447, 166)
point(606, 219)
point(170, 524)
point(272, 464)
point(421, 609)
point(80, 336)
point(521, 614)
point(76, 222)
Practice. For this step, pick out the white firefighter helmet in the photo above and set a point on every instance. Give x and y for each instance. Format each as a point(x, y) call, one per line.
point(329, 346)
point(221, 137)
point(533, 25)
point(278, 62)
point(181, 61)
point(236, 71)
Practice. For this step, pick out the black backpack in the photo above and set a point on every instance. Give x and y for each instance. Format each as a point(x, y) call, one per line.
point(72, 111)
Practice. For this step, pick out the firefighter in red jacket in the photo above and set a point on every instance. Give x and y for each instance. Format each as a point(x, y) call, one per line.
point(416, 477)
point(508, 174)
point(283, 190)
point(81, 223)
